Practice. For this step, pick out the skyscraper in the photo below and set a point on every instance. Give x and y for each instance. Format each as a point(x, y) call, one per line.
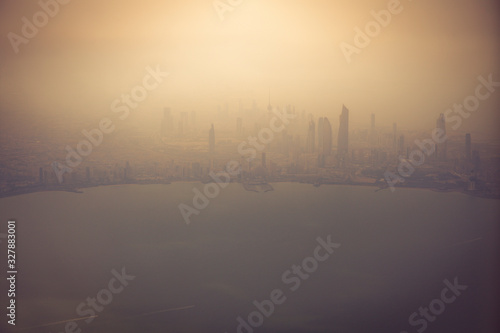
point(211, 140)
point(343, 137)
point(327, 137)
point(441, 148)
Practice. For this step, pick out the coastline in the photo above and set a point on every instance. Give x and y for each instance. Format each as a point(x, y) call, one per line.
point(378, 188)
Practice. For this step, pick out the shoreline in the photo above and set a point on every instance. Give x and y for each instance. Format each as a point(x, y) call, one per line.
point(378, 188)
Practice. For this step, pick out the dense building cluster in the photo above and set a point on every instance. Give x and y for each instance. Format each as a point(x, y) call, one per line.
point(303, 148)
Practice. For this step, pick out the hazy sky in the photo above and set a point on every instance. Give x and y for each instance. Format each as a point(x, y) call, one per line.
point(92, 51)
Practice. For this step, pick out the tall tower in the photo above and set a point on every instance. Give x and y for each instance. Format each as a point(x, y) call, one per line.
point(211, 140)
point(343, 137)
point(327, 137)
point(441, 148)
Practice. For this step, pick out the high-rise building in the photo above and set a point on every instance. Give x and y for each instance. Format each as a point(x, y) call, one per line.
point(343, 137)
point(127, 173)
point(211, 140)
point(468, 147)
point(311, 137)
point(441, 148)
point(264, 163)
point(327, 137)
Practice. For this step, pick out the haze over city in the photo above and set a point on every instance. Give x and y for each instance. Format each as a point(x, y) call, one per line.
point(250, 166)
point(91, 52)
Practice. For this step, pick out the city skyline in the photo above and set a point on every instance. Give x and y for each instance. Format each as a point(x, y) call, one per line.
point(188, 166)
point(60, 73)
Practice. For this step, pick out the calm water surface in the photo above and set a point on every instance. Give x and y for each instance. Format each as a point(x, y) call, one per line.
point(396, 251)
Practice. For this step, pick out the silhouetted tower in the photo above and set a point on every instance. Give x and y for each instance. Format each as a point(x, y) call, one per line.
point(211, 140)
point(127, 173)
point(343, 137)
point(264, 163)
point(40, 175)
point(327, 137)
point(441, 148)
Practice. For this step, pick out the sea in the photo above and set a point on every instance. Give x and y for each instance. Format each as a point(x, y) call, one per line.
point(333, 258)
